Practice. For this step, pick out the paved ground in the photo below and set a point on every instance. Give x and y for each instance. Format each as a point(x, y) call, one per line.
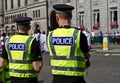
point(98, 48)
point(104, 68)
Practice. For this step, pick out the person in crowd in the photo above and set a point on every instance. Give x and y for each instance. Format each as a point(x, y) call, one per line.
point(113, 37)
point(2, 38)
point(118, 38)
point(7, 36)
point(37, 36)
point(100, 35)
point(22, 53)
point(68, 48)
point(43, 42)
point(88, 36)
point(93, 35)
point(106, 34)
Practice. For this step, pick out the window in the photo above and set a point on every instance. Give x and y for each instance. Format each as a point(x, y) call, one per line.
point(38, 13)
point(68, 1)
point(18, 3)
point(96, 17)
point(11, 4)
point(81, 18)
point(26, 2)
point(113, 15)
point(25, 14)
point(5, 4)
point(33, 14)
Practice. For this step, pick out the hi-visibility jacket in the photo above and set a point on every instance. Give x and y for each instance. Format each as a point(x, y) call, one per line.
point(2, 80)
point(6, 74)
point(66, 56)
point(19, 53)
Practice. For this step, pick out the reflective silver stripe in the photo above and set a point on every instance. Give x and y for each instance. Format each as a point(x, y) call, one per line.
point(78, 58)
point(52, 47)
point(77, 69)
point(26, 51)
point(72, 51)
point(24, 60)
point(21, 71)
point(8, 50)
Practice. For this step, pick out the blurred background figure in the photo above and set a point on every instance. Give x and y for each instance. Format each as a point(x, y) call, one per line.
point(43, 43)
point(2, 40)
point(118, 38)
point(93, 35)
point(37, 34)
point(100, 34)
point(113, 37)
point(88, 36)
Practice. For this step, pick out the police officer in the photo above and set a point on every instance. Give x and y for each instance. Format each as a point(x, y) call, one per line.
point(23, 53)
point(68, 48)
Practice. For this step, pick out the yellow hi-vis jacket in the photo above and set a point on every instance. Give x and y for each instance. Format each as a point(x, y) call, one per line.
point(66, 57)
point(2, 73)
point(19, 53)
point(6, 75)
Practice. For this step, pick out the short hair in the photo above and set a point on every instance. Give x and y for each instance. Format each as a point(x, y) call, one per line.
point(24, 28)
point(66, 15)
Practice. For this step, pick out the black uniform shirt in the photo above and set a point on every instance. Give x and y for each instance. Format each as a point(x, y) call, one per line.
point(83, 43)
point(35, 51)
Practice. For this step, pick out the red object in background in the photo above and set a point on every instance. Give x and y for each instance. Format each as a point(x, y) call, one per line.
point(81, 27)
point(113, 25)
point(97, 26)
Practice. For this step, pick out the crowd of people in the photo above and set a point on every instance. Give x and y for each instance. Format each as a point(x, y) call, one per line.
point(116, 37)
point(3, 38)
point(41, 38)
point(113, 37)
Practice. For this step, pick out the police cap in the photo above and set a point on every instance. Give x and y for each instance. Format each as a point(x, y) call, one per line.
point(63, 8)
point(23, 21)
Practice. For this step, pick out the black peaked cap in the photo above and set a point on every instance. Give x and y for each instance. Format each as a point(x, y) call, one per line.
point(23, 20)
point(63, 7)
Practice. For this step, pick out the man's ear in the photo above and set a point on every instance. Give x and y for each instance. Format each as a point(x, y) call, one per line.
point(57, 18)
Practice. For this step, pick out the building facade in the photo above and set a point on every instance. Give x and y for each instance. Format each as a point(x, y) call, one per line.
point(97, 15)
point(11, 9)
point(1, 16)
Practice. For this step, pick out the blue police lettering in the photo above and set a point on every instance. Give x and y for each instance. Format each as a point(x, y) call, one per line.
point(17, 46)
point(62, 41)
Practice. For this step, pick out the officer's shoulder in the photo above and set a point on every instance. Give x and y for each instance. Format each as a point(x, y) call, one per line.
point(76, 28)
point(31, 36)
